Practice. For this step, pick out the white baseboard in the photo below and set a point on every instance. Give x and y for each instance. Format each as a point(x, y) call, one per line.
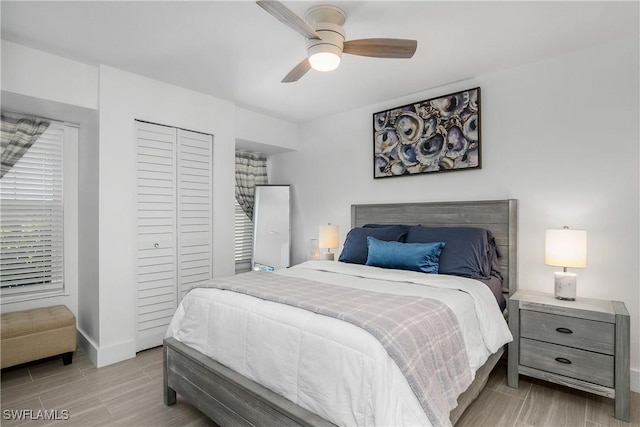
point(635, 380)
point(103, 356)
point(116, 353)
point(88, 346)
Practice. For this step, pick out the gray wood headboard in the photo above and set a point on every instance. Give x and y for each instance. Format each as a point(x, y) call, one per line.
point(498, 216)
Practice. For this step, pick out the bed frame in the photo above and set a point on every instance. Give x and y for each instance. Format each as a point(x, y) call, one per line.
point(231, 399)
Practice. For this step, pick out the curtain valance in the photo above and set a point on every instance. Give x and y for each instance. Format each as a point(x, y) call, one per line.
point(17, 135)
point(251, 170)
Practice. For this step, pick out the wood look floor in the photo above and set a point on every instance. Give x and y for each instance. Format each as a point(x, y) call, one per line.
point(129, 394)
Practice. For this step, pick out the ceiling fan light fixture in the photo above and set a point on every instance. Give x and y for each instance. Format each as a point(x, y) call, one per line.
point(324, 61)
point(325, 54)
point(322, 26)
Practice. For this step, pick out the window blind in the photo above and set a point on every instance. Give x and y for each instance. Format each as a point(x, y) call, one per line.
point(243, 240)
point(31, 224)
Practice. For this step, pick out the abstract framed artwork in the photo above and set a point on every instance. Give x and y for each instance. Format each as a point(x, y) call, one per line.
point(435, 135)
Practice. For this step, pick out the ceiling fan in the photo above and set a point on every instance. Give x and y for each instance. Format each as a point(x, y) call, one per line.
point(322, 27)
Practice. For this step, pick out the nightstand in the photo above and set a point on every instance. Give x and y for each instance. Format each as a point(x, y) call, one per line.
point(583, 344)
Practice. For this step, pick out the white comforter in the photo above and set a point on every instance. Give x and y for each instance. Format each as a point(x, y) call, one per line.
point(328, 366)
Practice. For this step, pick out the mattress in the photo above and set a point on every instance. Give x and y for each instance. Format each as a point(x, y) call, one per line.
point(325, 365)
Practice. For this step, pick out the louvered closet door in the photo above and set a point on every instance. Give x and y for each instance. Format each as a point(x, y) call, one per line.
point(194, 208)
point(156, 232)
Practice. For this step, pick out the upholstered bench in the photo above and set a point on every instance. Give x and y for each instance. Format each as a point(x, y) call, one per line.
point(34, 334)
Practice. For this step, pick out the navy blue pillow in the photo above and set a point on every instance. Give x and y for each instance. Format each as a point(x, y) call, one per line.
point(403, 226)
point(422, 257)
point(468, 251)
point(355, 250)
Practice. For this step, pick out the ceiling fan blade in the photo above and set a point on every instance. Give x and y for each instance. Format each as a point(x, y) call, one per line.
point(297, 72)
point(283, 14)
point(381, 48)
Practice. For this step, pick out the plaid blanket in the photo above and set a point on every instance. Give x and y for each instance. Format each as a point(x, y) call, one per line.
point(421, 335)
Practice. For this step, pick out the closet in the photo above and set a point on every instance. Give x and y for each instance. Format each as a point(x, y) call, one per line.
point(174, 222)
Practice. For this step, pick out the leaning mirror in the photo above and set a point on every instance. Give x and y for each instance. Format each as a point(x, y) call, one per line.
point(271, 232)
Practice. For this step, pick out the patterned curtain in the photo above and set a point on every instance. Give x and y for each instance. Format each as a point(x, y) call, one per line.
point(17, 135)
point(251, 170)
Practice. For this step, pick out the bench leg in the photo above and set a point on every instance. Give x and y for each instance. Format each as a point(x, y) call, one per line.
point(67, 358)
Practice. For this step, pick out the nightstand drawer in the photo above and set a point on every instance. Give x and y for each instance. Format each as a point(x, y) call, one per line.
point(583, 365)
point(570, 331)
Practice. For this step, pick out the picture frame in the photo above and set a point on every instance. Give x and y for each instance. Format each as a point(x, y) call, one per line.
point(440, 134)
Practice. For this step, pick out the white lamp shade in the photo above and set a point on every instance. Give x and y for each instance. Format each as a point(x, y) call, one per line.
point(329, 236)
point(566, 248)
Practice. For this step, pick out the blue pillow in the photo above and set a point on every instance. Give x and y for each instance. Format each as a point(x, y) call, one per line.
point(423, 257)
point(355, 249)
point(403, 226)
point(469, 251)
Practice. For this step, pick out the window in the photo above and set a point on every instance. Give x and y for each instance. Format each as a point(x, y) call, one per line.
point(32, 222)
point(244, 240)
point(251, 170)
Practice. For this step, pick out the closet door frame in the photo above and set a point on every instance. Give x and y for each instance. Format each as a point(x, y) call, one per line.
point(155, 338)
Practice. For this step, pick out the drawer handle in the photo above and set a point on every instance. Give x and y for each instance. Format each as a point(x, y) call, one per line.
point(564, 330)
point(563, 360)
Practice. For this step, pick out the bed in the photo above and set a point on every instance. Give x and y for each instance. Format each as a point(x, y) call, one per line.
point(230, 398)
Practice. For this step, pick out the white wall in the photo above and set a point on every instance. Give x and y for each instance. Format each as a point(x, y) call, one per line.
point(561, 136)
point(35, 82)
point(39, 74)
point(125, 97)
point(274, 135)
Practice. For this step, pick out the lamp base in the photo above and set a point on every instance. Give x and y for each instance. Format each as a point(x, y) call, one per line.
point(565, 286)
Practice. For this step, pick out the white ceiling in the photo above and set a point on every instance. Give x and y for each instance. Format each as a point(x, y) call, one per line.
point(236, 51)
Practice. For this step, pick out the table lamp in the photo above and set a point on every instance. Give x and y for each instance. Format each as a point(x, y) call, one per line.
point(565, 248)
point(329, 238)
